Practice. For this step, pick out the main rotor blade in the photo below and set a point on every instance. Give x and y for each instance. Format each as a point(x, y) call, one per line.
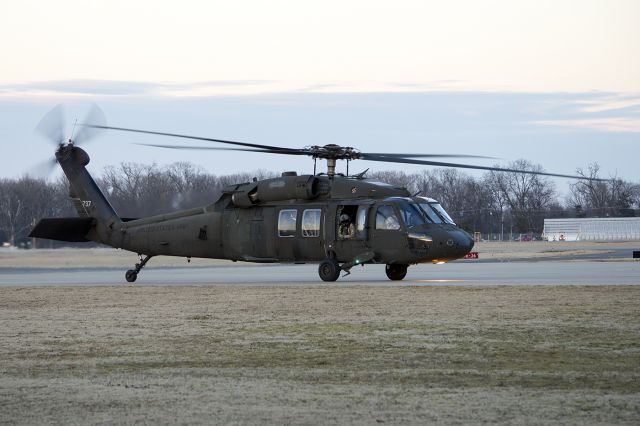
point(86, 133)
point(52, 125)
point(176, 135)
point(364, 155)
point(211, 148)
point(469, 166)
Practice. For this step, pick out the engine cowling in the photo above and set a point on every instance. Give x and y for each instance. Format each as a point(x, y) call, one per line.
point(277, 189)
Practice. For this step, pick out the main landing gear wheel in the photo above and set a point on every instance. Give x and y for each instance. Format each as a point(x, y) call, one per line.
point(396, 272)
point(131, 275)
point(329, 270)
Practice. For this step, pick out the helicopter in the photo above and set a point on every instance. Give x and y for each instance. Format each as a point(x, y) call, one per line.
point(333, 219)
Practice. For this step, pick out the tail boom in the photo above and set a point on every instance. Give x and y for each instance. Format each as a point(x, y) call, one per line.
point(89, 201)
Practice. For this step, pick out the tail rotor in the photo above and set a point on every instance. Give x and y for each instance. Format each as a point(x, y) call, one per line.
point(52, 128)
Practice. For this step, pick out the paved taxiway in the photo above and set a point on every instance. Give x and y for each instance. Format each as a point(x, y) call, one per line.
point(455, 273)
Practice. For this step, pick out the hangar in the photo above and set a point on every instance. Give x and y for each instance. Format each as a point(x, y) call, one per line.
point(592, 229)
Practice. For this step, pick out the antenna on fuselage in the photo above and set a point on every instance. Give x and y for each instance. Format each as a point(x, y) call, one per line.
point(73, 129)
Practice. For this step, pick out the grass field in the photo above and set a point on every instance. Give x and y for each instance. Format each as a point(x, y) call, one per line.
point(322, 354)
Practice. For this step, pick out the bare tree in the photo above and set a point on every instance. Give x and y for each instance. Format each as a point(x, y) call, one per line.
point(613, 197)
point(22, 202)
point(395, 178)
point(142, 190)
point(528, 196)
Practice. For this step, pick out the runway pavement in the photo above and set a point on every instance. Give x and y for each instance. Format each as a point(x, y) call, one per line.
point(454, 273)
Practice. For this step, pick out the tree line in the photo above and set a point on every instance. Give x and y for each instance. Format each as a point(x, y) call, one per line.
point(497, 204)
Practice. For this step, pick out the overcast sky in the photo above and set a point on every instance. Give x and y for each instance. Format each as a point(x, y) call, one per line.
point(555, 82)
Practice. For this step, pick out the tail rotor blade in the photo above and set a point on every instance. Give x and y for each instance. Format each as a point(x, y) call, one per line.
point(43, 169)
point(52, 125)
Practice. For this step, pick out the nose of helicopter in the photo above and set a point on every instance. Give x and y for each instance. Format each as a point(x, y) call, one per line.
point(460, 243)
point(444, 243)
point(464, 242)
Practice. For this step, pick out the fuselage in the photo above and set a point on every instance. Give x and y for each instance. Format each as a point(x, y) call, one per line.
point(335, 220)
point(404, 230)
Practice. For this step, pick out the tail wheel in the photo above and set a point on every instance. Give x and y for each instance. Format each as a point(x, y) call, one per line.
point(396, 272)
point(329, 270)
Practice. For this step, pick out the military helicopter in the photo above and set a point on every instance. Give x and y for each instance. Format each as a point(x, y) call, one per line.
point(336, 220)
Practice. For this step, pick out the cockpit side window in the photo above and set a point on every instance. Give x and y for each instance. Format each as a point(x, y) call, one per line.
point(386, 218)
point(411, 214)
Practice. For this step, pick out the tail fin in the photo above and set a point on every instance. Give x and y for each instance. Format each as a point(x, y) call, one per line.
point(88, 200)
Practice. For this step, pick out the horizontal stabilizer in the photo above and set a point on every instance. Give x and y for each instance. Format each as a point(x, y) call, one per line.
point(72, 229)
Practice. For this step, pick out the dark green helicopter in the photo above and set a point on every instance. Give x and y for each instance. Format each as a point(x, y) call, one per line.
point(339, 221)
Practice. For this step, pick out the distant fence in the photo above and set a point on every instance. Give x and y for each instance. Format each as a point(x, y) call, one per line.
point(592, 229)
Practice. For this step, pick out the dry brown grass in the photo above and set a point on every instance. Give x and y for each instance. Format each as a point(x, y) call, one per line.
point(323, 354)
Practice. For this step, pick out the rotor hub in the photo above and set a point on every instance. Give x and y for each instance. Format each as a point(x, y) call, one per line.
point(333, 152)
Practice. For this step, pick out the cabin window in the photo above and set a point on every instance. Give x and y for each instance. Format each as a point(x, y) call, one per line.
point(287, 223)
point(361, 221)
point(386, 218)
point(311, 223)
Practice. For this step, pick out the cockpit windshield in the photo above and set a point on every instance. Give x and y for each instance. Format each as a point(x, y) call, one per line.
point(435, 212)
point(426, 210)
point(431, 213)
point(442, 213)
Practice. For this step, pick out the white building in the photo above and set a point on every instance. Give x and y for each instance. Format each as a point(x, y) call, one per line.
point(593, 229)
